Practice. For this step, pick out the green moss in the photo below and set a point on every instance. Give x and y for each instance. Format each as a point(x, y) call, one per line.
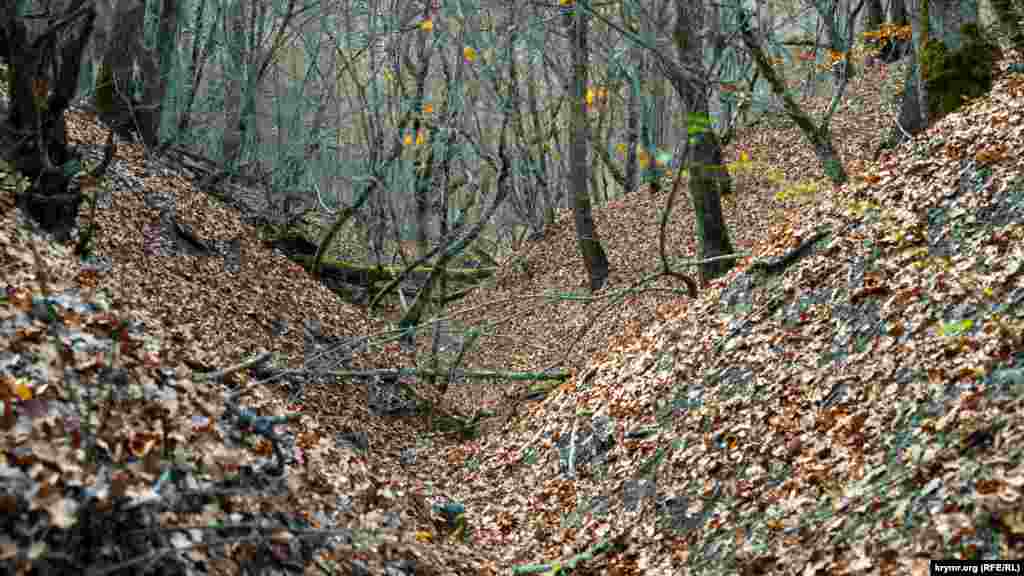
point(9, 76)
point(925, 28)
point(105, 90)
point(932, 55)
point(952, 76)
point(833, 169)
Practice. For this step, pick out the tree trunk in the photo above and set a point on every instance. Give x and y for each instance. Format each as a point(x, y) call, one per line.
point(542, 160)
point(708, 177)
point(1011, 20)
point(840, 27)
point(720, 104)
point(424, 177)
point(43, 79)
point(898, 13)
point(125, 44)
point(234, 125)
point(819, 137)
point(595, 261)
point(874, 16)
point(940, 19)
point(656, 130)
point(706, 194)
point(156, 65)
point(651, 95)
point(637, 57)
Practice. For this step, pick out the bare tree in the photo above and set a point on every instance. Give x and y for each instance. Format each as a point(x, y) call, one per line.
point(116, 86)
point(637, 56)
point(44, 58)
point(234, 125)
point(157, 66)
point(708, 178)
point(133, 76)
point(595, 261)
point(818, 134)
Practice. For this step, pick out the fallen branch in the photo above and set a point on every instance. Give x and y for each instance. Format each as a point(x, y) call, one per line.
point(219, 375)
point(735, 256)
point(515, 376)
point(777, 265)
point(602, 547)
point(367, 275)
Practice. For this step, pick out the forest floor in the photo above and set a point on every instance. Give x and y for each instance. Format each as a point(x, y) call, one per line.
point(858, 411)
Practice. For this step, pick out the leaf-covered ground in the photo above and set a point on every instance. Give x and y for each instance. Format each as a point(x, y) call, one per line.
point(859, 412)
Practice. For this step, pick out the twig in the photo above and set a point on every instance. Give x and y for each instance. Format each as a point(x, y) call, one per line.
point(539, 375)
point(735, 256)
point(220, 374)
point(41, 275)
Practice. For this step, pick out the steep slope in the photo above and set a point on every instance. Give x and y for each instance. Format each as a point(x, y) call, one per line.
point(538, 314)
point(126, 406)
point(857, 411)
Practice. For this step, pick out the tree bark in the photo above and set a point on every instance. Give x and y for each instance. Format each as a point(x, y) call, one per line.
point(595, 261)
point(1011, 20)
point(156, 66)
point(708, 178)
point(874, 16)
point(950, 15)
point(898, 13)
point(124, 45)
point(819, 137)
point(637, 57)
point(42, 79)
point(234, 125)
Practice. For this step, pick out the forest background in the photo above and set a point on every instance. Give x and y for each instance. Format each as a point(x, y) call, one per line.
point(447, 132)
point(403, 153)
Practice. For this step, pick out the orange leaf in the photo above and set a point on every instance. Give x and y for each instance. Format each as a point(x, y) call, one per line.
point(21, 390)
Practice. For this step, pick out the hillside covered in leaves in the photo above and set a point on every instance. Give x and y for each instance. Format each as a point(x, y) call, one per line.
point(847, 400)
point(856, 411)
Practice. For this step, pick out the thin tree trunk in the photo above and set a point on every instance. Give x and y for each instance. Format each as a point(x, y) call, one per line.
point(595, 261)
point(125, 43)
point(637, 56)
point(707, 175)
point(898, 13)
point(157, 65)
point(542, 160)
point(915, 115)
point(819, 137)
point(234, 28)
point(874, 15)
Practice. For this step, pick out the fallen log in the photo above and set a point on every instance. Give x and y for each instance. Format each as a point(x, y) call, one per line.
point(496, 374)
point(367, 274)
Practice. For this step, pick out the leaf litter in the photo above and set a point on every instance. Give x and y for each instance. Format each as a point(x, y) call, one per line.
point(858, 412)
